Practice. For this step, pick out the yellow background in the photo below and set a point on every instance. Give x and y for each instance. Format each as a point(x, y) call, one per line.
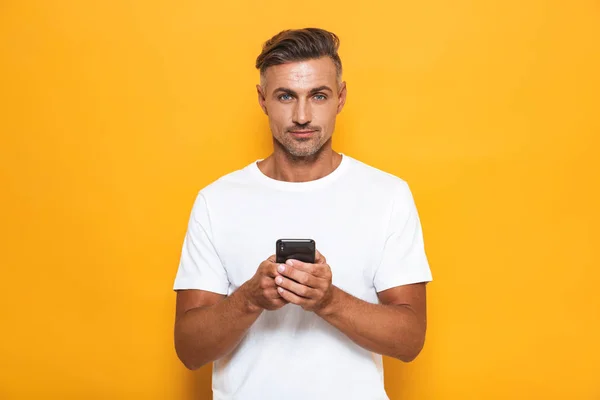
point(115, 113)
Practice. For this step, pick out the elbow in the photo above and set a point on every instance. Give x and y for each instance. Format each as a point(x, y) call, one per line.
point(408, 354)
point(408, 357)
point(189, 361)
point(191, 366)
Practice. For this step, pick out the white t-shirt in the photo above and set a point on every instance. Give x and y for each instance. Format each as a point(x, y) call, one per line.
point(363, 220)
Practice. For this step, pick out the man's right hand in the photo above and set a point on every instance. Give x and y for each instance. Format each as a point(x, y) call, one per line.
point(209, 325)
point(261, 290)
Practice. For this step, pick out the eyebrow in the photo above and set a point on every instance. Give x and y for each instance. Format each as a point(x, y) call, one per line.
point(312, 91)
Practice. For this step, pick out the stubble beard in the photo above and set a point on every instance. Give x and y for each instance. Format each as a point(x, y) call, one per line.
point(301, 148)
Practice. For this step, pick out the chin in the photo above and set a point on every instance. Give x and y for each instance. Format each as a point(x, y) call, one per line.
point(300, 147)
point(301, 151)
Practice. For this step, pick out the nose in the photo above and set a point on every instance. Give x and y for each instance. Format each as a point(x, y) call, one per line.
point(302, 113)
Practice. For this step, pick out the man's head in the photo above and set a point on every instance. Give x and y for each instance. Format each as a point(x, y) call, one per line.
point(301, 88)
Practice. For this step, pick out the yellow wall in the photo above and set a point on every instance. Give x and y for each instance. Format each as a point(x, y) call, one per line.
point(115, 113)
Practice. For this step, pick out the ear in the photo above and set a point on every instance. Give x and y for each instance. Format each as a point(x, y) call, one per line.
point(341, 97)
point(261, 99)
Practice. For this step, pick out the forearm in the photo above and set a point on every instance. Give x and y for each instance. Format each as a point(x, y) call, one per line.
point(205, 334)
point(391, 330)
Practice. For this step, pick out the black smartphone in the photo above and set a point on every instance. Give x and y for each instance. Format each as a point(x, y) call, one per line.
point(297, 249)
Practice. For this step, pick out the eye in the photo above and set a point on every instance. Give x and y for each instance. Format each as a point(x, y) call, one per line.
point(320, 97)
point(284, 97)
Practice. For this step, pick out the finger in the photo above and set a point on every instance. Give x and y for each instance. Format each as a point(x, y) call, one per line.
point(297, 275)
point(294, 287)
point(272, 258)
point(291, 297)
point(302, 266)
point(280, 302)
point(322, 271)
point(270, 269)
point(319, 258)
point(272, 293)
point(276, 304)
point(317, 270)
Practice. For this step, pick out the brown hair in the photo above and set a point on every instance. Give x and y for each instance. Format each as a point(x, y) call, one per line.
point(299, 45)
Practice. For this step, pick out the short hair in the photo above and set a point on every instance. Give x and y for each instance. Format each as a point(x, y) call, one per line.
point(299, 45)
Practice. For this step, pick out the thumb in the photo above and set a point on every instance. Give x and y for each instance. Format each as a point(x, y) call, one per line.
point(319, 258)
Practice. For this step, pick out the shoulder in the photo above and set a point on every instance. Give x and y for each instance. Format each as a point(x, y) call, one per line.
point(390, 190)
point(226, 183)
point(380, 181)
point(225, 188)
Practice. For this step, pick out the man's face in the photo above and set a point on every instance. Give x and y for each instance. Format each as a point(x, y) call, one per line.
point(302, 100)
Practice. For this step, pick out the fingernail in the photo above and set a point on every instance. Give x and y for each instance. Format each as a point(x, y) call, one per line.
point(278, 280)
point(280, 290)
point(281, 268)
point(289, 262)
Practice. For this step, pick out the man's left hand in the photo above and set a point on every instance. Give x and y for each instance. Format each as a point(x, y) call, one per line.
point(307, 285)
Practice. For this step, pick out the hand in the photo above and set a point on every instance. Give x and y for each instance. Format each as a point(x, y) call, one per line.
point(307, 285)
point(260, 290)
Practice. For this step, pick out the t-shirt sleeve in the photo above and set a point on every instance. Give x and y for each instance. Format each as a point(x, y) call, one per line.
point(200, 266)
point(404, 260)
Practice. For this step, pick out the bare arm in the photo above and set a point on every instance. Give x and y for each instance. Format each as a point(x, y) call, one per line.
point(395, 328)
point(209, 325)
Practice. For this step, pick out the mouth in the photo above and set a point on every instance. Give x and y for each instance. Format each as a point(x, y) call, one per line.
point(302, 133)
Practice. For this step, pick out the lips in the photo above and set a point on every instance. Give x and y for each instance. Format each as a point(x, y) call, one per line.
point(302, 135)
point(302, 132)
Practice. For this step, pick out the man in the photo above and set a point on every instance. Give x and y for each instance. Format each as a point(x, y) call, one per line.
point(298, 330)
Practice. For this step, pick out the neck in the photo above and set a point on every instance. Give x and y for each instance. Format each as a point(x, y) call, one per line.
point(283, 166)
